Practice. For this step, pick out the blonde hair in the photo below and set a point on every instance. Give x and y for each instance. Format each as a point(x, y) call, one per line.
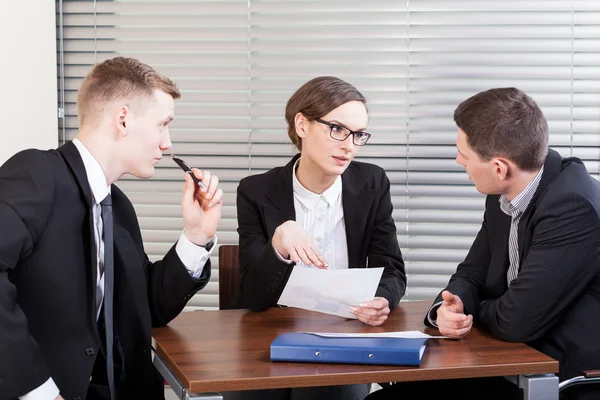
point(119, 78)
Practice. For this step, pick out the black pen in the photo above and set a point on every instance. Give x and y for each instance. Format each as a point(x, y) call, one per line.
point(187, 169)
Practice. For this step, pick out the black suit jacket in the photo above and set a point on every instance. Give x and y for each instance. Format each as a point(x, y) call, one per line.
point(48, 281)
point(265, 201)
point(554, 303)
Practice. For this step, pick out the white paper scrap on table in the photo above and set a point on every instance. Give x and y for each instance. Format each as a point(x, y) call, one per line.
point(399, 334)
point(330, 291)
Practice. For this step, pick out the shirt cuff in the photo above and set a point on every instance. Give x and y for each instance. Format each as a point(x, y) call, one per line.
point(280, 256)
point(48, 390)
point(192, 256)
point(433, 309)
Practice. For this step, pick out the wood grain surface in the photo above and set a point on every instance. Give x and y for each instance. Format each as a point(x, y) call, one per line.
point(217, 351)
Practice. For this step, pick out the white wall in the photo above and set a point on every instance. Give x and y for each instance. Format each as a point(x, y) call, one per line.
point(28, 100)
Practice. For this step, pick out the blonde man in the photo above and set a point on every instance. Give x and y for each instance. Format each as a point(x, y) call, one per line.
point(74, 277)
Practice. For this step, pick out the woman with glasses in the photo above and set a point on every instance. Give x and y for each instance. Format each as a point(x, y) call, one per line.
point(321, 210)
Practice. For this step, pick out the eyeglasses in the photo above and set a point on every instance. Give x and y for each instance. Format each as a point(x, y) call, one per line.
point(341, 133)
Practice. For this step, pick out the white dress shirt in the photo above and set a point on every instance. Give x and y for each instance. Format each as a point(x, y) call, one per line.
point(193, 257)
point(321, 216)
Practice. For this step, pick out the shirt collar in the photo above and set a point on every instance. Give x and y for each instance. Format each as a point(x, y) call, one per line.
point(93, 170)
point(310, 199)
point(520, 203)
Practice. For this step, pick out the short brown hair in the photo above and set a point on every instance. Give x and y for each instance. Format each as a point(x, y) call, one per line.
point(119, 78)
point(317, 98)
point(505, 122)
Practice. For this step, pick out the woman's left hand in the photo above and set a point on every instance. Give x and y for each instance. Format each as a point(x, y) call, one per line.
point(373, 312)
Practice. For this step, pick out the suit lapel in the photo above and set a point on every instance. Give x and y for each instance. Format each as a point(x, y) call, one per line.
point(73, 159)
point(130, 279)
point(357, 201)
point(499, 231)
point(279, 206)
point(552, 168)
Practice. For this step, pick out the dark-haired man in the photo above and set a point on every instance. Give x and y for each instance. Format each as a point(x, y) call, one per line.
point(532, 274)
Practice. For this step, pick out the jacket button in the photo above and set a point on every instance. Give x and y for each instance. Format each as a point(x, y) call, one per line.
point(90, 351)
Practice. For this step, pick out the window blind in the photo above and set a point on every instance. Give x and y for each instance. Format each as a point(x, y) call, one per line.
point(237, 63)
point(457, 49)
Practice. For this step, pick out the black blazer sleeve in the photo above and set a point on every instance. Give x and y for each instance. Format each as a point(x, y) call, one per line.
point(170, 286)
point(558, 268)
point(26, 198)
point(262, 275)
point(468, 282)
point(384, 250)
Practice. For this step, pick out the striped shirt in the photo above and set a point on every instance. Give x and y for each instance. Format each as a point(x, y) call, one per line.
point(515, 210)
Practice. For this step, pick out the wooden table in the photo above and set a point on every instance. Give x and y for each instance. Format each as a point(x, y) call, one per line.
point(220, 351)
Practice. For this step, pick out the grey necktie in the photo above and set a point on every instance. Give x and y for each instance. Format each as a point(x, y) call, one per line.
point(109, 278)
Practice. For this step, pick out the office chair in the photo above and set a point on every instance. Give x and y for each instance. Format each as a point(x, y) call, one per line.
point(229, 282)
point(588, 377)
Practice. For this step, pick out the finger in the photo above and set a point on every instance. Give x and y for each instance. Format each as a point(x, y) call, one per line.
point(456, 324)
point(370, 320)
point(455, 333)
point(368, 304)
point(366, 311)
point(320, 256)
point(369, 313)
point(378, 321)
point(463, 332)
point(449, 315)
point(452, 307)
point(362, 307)
point(303, 256)
point(384, 312)
point(469, 321)
point(313, 257)
point(212, 186)
point(449, 332)
point(188, 190)
point(453, 325)
point(217, 198)
point(374, 313)
point(293, 254)
point(449, 297)
point(377, 303)
point(361, 317)
point(204, 177)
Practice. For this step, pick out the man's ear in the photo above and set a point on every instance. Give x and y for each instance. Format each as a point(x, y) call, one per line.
point(502, 167)
point(122, 117)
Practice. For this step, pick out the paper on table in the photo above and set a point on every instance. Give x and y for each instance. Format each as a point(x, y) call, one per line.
point(330, 291)
point(399, 334)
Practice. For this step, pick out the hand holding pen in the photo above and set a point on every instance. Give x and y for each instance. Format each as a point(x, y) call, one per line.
point(182, 164)
point(201, 204)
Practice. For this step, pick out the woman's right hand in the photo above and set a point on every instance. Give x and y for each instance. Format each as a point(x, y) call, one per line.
point(293, 243)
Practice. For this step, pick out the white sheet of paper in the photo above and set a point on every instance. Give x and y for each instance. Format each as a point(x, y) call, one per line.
point(330, 291)
point(399, 334)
